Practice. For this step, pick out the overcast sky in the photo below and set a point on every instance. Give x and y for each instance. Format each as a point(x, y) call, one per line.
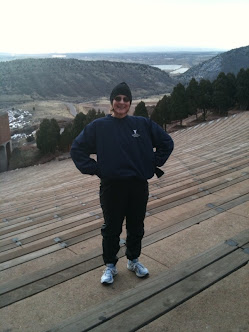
point(59, 26)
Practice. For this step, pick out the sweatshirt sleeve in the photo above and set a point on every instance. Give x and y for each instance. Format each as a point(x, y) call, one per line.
point(162, 142)
point(83, 146)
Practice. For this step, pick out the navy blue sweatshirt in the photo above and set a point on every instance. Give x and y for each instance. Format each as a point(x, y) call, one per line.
point(124, 148)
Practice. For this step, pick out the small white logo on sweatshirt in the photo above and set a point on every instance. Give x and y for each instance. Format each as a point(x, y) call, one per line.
point(135, 133)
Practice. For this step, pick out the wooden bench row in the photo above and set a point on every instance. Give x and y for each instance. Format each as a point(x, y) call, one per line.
point(139, 306)
point(79, 206)
point(36, 282)
point(154, 207)
point(49, 181)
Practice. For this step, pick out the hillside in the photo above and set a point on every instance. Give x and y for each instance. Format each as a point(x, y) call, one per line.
point(227, 62)
point(71, 79)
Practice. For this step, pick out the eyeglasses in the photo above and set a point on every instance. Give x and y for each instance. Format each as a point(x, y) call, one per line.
point(125, 99)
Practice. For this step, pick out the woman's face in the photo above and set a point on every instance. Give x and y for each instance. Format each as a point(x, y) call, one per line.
point(121, 105)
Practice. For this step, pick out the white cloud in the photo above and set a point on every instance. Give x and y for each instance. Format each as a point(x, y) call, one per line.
point(77, 25)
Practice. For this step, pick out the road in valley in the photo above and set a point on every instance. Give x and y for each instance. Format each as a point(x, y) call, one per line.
point(72, 109)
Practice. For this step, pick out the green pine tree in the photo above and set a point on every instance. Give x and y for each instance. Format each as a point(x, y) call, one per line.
point(79, 123)
point(179, 103)
point(223, 93)
point(47, 137)
point(66, 138)
point(205, 101)
point(192, 95)
point(141, 110)
point(242, 87)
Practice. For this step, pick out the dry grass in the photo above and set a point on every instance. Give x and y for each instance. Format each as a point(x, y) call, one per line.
point(59, 110)
point(45, 109)
point(103, 104)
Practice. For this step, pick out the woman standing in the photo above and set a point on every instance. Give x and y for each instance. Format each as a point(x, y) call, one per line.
point(124, 146)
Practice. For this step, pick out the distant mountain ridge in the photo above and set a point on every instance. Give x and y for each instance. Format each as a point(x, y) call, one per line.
point(227, 62)
point(70, 79)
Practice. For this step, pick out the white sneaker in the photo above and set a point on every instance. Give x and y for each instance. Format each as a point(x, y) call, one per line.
point(135, 266)
point(109, 272)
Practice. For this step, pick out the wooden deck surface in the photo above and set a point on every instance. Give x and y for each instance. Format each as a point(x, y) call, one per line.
point(197, 236)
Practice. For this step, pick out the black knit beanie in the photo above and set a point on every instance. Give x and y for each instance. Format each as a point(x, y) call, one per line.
point(121, 89)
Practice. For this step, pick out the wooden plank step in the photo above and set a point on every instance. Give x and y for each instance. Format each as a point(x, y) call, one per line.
point(32, 223)
point(83, 262)
point(207, 176)
point(77, 236)
point(54, 279)
point(56, 222)
point(147, 311)
point(222, 168)
point(216, 149)
point(204, 166)
point(61, 194)
point(149, 238)
point(41, 211)
point(47, 220)
point(197, 219)
point(207, 179)
point(164, 204)
point(64, 227)
point(144, 303)
point(10, 244)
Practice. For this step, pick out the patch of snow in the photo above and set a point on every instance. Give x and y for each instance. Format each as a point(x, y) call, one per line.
point(59, 56)
point(179, 71)
point(18, 136)
point(19, 118)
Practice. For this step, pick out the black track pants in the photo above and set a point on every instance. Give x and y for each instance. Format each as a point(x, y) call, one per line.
point(121, 199)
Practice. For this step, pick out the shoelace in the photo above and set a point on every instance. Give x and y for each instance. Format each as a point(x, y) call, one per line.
point(108, 271)
point(138, 264)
